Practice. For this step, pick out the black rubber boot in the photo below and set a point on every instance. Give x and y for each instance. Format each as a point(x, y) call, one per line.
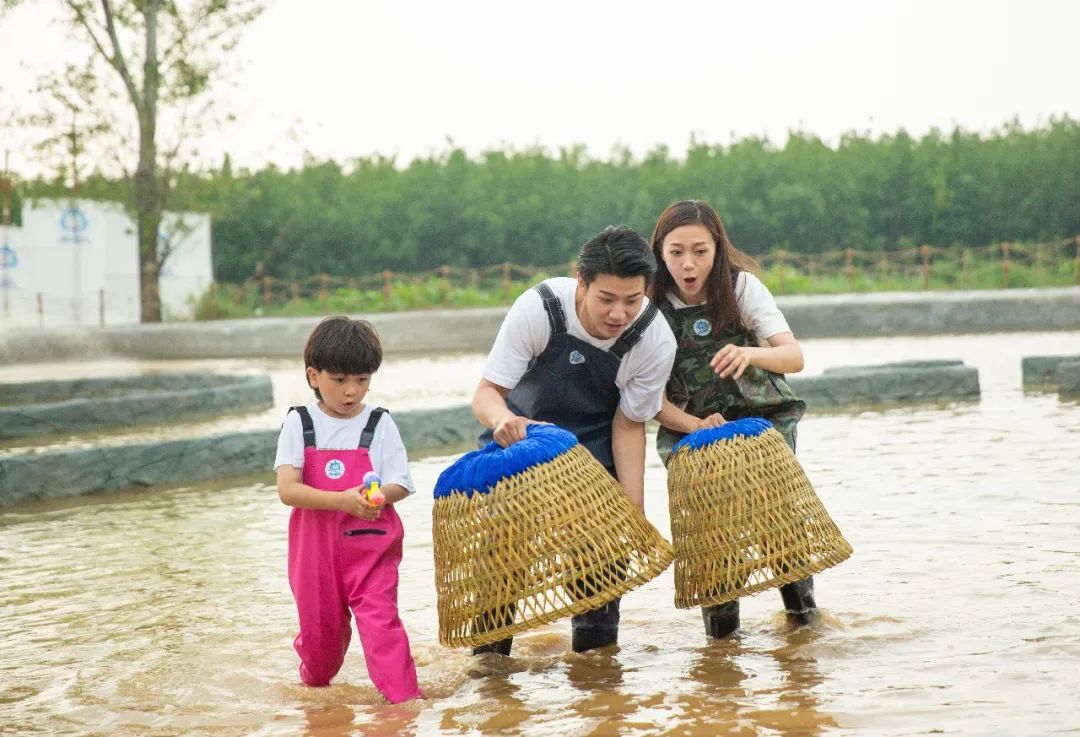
point(799, 601)
point(596, 628)
point(502, 647)
point(590, 638)
point(721, 619)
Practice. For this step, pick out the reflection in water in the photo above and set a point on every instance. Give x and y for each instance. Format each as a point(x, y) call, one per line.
point(602, 700)
point(798, 706)
point(340, 720)
point(501, 712)
point(330, 720)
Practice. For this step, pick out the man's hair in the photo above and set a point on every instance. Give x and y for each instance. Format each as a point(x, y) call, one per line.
point(616, 250)
point(341, 345)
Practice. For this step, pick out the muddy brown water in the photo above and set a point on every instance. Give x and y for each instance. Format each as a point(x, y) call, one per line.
point(168, 612)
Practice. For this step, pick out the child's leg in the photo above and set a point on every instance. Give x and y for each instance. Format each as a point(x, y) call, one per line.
point(321, 648)
point(372, 581)
point(320, 601)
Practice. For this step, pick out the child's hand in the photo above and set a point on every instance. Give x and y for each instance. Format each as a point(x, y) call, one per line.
point(355, 502)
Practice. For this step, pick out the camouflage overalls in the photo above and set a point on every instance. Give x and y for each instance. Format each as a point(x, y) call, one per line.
point(695, 388)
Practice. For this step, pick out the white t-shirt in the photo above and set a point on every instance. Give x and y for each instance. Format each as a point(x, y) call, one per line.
point(643, 371)
point(387, 452)
point(757, 307)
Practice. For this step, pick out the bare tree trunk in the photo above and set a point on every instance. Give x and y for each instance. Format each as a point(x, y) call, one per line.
point(149, 201)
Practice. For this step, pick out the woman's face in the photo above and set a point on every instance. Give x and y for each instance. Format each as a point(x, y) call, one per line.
point(688, 253)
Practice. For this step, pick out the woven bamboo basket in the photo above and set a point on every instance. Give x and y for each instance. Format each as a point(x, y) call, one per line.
point(744, 517)
point(531, 533)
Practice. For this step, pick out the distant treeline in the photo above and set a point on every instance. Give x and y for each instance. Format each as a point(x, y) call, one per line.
point(535, 207)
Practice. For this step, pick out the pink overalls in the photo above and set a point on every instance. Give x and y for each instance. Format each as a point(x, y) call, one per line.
point(338, 563)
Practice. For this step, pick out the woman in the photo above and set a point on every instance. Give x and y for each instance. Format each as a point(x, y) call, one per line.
point(734, 347)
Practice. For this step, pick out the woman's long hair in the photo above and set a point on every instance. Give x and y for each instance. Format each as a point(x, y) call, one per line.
point(723, 309)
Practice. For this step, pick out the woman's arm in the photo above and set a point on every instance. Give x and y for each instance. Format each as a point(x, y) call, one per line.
point(679, 420)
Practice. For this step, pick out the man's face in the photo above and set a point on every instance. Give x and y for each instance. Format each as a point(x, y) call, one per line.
point(608, 305)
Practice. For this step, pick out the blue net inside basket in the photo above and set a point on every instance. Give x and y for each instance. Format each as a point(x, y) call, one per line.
point(748, 427)
point(479, 470)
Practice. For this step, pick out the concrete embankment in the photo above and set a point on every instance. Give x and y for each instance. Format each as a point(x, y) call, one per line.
point(436, 331)
point(66, 472)
point(69, 472)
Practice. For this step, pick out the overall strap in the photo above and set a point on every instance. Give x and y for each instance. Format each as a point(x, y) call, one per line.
point(633, 334)
point(369, 429)
point(307, 424)
point(553, 307)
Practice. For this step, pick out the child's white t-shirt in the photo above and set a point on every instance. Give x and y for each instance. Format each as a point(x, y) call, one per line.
point(643, 371)
point(757, 307)
point(387, 452)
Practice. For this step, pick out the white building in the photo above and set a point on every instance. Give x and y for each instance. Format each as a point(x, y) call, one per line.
point(76, 262)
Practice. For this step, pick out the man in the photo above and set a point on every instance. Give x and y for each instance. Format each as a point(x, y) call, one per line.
point(591, 356)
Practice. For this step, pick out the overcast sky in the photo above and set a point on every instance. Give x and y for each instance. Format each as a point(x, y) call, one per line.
point(344, 78)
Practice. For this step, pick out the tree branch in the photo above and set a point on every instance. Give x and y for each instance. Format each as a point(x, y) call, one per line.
point(115, 59)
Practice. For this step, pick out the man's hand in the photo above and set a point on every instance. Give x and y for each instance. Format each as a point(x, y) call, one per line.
point(512, 428)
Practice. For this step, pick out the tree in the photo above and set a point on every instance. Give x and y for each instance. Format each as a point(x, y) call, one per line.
point(165, 55)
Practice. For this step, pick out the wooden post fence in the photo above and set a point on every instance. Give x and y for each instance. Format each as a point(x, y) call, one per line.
point(1078, 259)
point(324, 292)
point(1006, 265)
point(849, 265)
point(506, 279)
point(925, 266)
point(445, 271)
point(387, 287)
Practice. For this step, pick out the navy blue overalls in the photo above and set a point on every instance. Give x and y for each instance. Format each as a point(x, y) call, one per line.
point(572, 384)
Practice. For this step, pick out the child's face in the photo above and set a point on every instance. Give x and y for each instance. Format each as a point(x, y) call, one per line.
point(342, 394)
point(688, 253)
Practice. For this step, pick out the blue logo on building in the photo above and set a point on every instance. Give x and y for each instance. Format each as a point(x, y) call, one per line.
point(8, 258)
point(576, 357)
point(702, 327)
point(335, 469)
point(74, 223)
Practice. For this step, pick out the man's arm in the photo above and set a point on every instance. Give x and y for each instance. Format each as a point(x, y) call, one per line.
point(489, 406)
point(628, 447)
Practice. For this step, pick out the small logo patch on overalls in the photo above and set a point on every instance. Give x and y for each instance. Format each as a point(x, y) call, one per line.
point(702, 327)
point(576, 357)
point(335, 469)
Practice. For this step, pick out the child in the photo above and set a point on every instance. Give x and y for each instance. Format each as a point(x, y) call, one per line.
point(344, 550)
point(734, 346)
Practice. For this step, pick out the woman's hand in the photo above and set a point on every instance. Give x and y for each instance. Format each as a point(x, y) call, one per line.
point(731, 360)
